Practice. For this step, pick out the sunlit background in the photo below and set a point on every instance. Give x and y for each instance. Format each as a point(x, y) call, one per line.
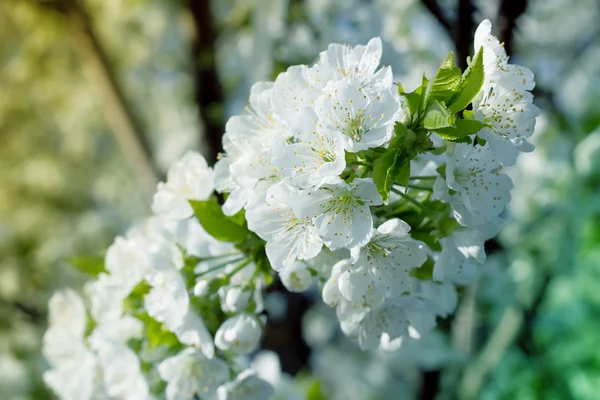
point(98, 97)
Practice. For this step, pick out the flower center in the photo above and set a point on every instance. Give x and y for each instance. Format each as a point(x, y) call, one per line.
point(355, 127)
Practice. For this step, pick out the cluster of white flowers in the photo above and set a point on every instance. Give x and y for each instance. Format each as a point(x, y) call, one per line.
point(334, 175)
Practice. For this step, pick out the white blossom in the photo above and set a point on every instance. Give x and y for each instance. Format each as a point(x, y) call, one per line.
point(357, 63)
point(297, 277)
point(246, 386)
point(74, 369)
point(190, 372)
point(340, 210)
point(474, 185)
point(504, 103)
point(387, 325)
point(385, 261)
point(289, 236)
point(190, 178)
point(363, 120)
point(313, 156)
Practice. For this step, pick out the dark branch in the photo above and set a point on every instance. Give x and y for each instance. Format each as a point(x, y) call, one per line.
point(208, 90)
point(435, 10)
point(463, 32)
point(33, 314)
point(509, 13)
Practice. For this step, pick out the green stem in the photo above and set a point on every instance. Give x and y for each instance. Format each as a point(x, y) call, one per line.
point(363, 172)
point(419, 187)
point(239, 267)
point(415, 178)
point(218, 266)
point(412, 200)
point(361, 163)
point(219, 256)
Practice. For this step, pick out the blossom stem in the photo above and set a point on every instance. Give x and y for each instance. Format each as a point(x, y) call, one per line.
point(233, 253)
point(425, 177)
point(219, 266)
point(411, 199)
point(419, 187)
point(240, 266)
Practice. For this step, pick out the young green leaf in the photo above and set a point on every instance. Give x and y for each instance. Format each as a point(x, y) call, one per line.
point(416, 100)
point(217, 224)
point(469, 126)
point(454, 135)
point(403, 174)
point(92, 265)
point(384, 173)
point(447, 80)
point(468, 114)
point(413, 100)
point(470, 84)
point(437, 116)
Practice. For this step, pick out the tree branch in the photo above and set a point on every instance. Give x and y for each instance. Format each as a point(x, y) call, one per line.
point(208, 90)
point(509, 13)
point(120, 116)
point(463, 31)
point(435, 10)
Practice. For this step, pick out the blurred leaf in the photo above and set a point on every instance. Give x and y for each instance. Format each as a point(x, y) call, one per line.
point(92, 265)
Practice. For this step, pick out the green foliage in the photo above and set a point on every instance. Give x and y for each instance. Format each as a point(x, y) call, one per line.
point(447, 80)
point(218, 225)
point(470, 84)
point(384, 172)
point(92, 265)
point(156, 334)
point(394, 165)
point(416, 101)
point(135, 299)
point(437, 117)
point(425, 271)
point(460, 131)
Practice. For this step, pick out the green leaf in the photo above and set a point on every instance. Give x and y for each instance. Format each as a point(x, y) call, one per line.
point(92, 265)
point(314, 391)
point(439, 150)
point(470, 84)
point(425, 272)
point(441, 170)
point(403, 174)
point(437, 117)
point(469, 126)
point(416, 100)
point(384, 173)
point(400, 130)
point(413, 100)
point(447, 80)
point(462, 130)
point(217, 224)
point(400, 88)
point(156, 334)
point(468, 114)
point(454, 135)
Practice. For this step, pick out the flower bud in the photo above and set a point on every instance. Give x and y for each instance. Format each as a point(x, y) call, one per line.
point(296, 278)
point(241, 333)
point(234, 298)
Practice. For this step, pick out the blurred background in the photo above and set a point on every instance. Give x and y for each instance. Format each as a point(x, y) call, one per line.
point(98, 97)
